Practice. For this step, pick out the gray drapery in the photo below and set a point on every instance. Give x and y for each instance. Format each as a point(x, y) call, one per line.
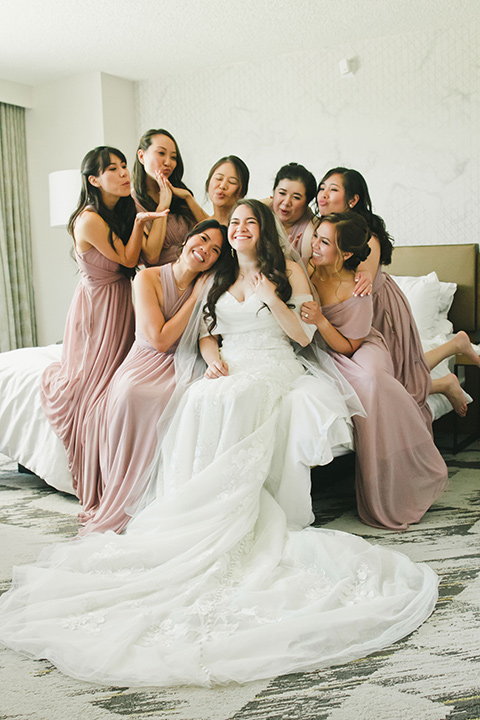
point(17, 307)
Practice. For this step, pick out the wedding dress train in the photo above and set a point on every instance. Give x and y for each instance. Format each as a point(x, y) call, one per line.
point(209, 583)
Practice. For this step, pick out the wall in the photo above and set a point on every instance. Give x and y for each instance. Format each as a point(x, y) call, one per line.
point(68, 117)
point(407, 118)
point(16, 93)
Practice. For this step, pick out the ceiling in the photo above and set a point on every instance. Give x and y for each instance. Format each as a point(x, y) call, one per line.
point(42, 40)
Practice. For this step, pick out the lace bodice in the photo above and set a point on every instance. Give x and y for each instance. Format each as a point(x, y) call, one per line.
point(251, 334)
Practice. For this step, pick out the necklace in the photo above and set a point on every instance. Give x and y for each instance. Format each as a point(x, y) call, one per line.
point(179, 287)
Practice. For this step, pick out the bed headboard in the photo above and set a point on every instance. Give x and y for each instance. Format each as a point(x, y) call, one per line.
point(452, 263)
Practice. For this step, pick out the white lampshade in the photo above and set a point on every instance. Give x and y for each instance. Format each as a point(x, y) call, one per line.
point(64, 186)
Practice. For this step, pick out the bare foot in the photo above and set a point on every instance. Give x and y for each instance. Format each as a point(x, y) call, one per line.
point(464, 346)
point(450, 387)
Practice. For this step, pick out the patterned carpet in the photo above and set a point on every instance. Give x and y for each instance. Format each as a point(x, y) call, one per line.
point(431, 675)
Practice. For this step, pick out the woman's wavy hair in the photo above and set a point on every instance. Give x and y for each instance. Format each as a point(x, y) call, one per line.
point(271, 262)
point(139, 178)
point(298, 173)
point(352, 235)
point(355, 184)
point(240, 168)
point(121, 218)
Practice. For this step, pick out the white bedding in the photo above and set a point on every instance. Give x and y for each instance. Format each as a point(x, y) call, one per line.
point(25, 433)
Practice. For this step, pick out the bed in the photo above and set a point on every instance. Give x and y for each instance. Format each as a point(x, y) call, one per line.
point(439, 281)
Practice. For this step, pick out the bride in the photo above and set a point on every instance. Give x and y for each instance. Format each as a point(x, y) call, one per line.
point(213, 581)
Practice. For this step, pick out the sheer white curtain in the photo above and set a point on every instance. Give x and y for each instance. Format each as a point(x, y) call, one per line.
point(17, 308)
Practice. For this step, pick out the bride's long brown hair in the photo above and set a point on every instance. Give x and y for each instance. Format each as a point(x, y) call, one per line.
point(270, 257)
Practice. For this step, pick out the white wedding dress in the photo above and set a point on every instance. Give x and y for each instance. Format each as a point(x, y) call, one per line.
point(210, 583)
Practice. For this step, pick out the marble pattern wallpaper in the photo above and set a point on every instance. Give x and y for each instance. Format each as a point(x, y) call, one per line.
point(407, 117)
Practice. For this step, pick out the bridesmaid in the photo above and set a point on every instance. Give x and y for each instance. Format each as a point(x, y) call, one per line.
point(226, 183)
point(293, 191)
point(108, 237)
point(122, 431)
point(339, 190)
point(158, 185)
point(399, 471)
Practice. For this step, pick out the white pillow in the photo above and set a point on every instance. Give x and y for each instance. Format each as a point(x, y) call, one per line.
point(447, 293)
point(423, 294)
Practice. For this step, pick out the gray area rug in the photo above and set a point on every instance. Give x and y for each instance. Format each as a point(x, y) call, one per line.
point(431, 675)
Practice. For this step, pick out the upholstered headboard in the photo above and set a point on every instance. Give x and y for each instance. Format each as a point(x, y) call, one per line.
point(452, 263)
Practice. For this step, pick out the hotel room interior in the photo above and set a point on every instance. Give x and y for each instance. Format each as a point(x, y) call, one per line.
point(392, 90)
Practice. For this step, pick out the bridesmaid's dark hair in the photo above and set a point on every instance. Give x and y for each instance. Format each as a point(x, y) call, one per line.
point(240, 168)
point(139, 178)
point(209, 224)
point(121, 218)
point(271, 261)
point(352, 235)
point(298, 173)
point(355, 184)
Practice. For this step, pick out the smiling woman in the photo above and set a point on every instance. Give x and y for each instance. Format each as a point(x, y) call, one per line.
point(108, 238)
point(215, 581)
point(121, 432)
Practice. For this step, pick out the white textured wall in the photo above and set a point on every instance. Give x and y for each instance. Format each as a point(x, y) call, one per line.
point(408, 119)
point(68, 118)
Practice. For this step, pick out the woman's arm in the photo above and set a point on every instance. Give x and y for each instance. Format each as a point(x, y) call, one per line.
point(312, 314)
point(186, 195)
point(154, 239)
point(285, 316)
point(210, 351)
point(367, 270)
point(92, 231)
point(161, 334)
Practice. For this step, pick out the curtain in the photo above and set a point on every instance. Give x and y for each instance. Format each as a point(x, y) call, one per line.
point(17, 307)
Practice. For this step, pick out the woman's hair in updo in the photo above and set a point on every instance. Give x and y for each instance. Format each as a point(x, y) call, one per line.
point(355, 184)
point(298, 173)
point(352, 235)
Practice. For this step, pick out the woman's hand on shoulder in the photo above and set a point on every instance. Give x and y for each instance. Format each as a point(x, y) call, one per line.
point(216, 369)
point(363, 284)
point(311, 313)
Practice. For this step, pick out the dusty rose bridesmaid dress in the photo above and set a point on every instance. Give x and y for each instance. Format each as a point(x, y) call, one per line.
point(99, 333)
point(124, 425)
point(393, 318)
point(399, 471)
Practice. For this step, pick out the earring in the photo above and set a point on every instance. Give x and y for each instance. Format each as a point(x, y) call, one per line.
point(350, 204)
point(232, 251)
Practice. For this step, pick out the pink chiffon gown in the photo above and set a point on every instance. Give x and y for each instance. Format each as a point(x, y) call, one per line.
point(399, 471)
point(177, 229)
point(122, 432)
point(393, 318)
point(99, 333)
